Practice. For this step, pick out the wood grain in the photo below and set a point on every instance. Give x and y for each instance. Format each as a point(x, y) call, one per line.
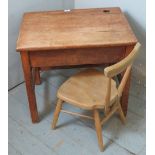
point(75, 29)
point(92, 90)
point(125, 93)
point(76, 38)
point(76, 56)
point(87, 90)
point(56, 113)
point(98, 129)
point(124, 65)
point(29, 86)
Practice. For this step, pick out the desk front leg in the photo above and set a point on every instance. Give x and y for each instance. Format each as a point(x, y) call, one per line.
point(29, 86)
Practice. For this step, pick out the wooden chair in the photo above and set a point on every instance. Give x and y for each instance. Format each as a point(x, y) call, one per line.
point(95, 90)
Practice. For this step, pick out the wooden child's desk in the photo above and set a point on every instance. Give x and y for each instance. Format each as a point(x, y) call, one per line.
point(79, 37)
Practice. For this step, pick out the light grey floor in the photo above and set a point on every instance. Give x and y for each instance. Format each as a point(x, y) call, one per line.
point(73, 136)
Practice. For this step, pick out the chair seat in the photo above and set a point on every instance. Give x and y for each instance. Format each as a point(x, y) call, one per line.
point(87, 89)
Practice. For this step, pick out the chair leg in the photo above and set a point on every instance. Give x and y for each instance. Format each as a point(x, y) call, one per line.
point(121, 114)
point(98, 129)
point(56, 113)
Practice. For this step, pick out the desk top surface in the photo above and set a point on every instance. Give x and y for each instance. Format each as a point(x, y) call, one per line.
point(79, 28)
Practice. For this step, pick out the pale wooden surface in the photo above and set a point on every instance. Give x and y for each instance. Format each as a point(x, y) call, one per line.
point(92, 90)
point(87, 90)
point(98, 129)
point(117, 137)
point(56, 113)
point(77, 114)
point(75, 29)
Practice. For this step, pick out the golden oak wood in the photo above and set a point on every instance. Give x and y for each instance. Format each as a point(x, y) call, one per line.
point(98, 129)
point(77, 114)
point(56, 113)
point(82, 37)
point(79, 90)
point(94, 90)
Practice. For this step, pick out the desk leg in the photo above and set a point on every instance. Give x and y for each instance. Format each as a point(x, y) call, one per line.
point(37, 76)
point(125, 96)
point(29, 86)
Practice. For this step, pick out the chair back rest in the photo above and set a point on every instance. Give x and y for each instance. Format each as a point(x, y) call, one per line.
point(117, 68)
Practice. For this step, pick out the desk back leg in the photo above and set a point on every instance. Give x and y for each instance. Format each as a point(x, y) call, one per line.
point(37, 76)
point(125, 94)
point(29, 86)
